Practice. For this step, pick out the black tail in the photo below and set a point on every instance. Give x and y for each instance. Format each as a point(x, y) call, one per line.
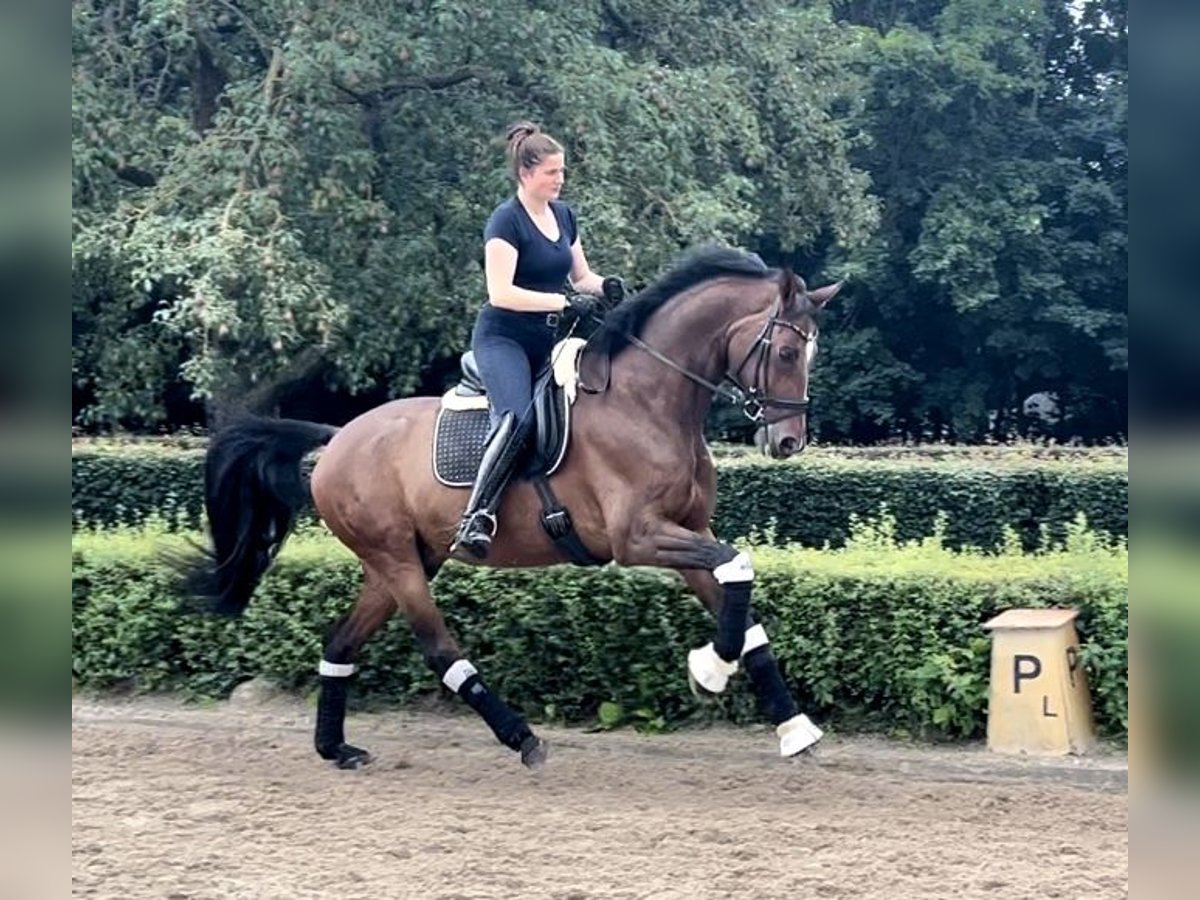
point(253, 488)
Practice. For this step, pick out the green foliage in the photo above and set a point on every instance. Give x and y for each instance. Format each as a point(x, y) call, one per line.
point(277, 192)
point(114, 487)
point(877, 633)
point(949, 687)
point(1000, 267)
point(814, 503)
point(808, 501)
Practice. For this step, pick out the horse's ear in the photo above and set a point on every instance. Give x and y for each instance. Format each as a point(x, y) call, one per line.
point(823, 295)
point(791, 288)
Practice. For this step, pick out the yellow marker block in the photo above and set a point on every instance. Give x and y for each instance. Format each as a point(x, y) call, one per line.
point(1038, 699)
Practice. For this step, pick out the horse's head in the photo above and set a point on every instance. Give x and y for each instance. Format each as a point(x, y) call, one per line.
point(771, 358)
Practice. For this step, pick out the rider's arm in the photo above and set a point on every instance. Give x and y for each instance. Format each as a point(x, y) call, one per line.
point(500, 265)
point(583, 279)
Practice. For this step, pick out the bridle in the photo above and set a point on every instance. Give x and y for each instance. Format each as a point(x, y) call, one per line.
point(755, 399)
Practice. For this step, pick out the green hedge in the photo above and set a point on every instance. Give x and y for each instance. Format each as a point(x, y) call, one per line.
point(809, 501)
point(814, 504)
point(873, 635)
point(134, 485)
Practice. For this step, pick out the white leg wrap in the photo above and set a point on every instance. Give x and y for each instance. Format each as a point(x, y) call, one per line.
point(710, 671)
point(797, 734)
point(756, 636)
point(737, 569)
point(458, 673)
point(335, 670)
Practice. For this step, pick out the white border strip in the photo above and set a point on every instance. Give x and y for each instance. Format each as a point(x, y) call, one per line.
point(451, 400)
point(756, 636)
point(457, 674)
point(737, 569)
point(335, 670)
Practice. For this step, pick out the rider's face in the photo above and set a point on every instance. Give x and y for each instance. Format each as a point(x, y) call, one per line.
point(545, 180)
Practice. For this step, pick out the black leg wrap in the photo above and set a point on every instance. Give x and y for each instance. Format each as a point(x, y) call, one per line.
point(331, 716)
point(773, 696)
point(731, 626)
point(510, 729)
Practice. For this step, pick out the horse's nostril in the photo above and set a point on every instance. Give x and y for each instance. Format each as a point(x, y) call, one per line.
point(789, 445)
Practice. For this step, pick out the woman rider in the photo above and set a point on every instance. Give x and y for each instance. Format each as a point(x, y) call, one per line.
point(531, 246)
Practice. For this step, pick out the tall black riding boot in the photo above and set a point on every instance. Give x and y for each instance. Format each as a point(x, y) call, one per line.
point(478, 525)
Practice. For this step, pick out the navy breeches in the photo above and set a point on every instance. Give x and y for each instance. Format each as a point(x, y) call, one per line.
point(511, 348)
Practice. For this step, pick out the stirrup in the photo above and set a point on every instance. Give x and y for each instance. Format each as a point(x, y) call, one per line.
point(475, 539)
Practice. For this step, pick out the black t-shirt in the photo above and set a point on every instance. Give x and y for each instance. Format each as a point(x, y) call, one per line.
point(542, 264)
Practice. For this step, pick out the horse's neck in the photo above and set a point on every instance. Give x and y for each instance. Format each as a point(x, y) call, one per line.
point(691, 330)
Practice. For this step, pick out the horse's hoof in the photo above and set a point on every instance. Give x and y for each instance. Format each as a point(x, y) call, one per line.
point(534, 752)
point(349, 757)
point(798, 735)
point(698, 690)
point(707, 672)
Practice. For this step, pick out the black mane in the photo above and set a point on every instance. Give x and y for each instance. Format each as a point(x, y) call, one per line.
point(696, 265)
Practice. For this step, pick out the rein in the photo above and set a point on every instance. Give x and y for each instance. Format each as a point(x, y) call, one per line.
point(754, 399)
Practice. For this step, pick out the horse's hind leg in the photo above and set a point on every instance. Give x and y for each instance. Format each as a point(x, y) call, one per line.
point(373, 608)
point(409, 587)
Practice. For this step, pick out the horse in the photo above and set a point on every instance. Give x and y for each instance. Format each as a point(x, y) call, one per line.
point(638, 479)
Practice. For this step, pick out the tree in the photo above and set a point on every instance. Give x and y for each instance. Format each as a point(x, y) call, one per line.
point(276, 191)
point(999, 266)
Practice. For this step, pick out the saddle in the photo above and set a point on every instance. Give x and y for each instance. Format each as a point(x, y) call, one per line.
point(460, 433)
point(460, 436)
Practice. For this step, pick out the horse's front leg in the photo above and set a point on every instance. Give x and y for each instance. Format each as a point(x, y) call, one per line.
point(796, 731)
point(723, 578)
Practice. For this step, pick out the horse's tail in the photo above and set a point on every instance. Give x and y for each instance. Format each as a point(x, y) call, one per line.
point(253, 489)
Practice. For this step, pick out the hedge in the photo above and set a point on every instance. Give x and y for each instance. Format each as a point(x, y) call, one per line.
point(875, 635)
point(809, 501)
point(815, 504)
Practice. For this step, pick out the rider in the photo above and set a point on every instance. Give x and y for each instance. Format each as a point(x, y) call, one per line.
point(531, 245)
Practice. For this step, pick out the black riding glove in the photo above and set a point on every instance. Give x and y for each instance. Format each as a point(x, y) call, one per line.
point(585, 306)
point(613, 289)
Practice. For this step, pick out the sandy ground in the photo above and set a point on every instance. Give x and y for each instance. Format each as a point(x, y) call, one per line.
point(182, 802)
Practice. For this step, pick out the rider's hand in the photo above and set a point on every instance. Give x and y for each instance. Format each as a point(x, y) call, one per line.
point(586, 306)
point(613, 289)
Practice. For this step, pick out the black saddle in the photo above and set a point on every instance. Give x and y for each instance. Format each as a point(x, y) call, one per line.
point(463, 426)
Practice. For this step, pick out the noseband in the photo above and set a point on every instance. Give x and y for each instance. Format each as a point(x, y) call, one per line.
point(755, 399)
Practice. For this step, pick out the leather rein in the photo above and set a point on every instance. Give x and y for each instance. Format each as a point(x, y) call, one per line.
point(755, 399)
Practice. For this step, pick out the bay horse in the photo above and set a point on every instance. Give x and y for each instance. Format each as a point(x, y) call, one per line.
point(638, 480)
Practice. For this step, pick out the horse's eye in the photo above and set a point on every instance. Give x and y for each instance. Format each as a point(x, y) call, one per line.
point(788, 354)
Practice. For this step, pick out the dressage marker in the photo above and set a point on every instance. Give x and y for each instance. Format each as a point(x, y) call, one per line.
point(1038, 702)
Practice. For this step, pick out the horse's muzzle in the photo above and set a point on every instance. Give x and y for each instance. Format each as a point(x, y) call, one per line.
point(783, 439)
